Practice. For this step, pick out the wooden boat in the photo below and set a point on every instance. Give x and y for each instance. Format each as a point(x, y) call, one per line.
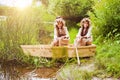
point(58, 52)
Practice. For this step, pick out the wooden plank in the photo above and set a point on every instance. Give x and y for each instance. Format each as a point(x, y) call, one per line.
point(58, 52)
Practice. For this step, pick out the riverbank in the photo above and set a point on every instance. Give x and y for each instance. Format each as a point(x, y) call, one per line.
point(61, 71)
point(16, 71)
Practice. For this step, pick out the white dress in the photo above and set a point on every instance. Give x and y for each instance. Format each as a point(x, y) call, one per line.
point(88, 37)
point(55, 33)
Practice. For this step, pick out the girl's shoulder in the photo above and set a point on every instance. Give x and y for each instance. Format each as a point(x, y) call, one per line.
point(80, 28)
point(65, 27)
point(90, 27)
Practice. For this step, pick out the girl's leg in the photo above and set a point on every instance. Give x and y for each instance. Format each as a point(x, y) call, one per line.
point(77, 42)
point(89, 42)
point(63, 42)
point(55, 43)
point(59, 42)
point(82, 42)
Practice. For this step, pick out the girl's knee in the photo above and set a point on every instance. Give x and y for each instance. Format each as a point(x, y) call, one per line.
point(55, 43)
point(89, 43)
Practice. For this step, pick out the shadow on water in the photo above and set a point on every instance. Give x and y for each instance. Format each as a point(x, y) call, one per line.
point(12, 71)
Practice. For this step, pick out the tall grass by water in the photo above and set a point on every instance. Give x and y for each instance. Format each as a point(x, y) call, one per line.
point(19, 28)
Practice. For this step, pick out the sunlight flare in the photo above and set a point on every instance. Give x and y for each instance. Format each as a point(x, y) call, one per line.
point(21, 4)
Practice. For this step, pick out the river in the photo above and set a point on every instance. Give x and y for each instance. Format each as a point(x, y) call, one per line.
point(13, 71)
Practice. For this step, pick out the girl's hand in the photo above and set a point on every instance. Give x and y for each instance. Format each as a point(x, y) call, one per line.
point(85, 37)
point(64, 37)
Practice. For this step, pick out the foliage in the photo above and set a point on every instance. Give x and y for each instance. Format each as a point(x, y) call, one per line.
point(46, 26)
point(105, 18)
point(70, 10)
point(22, 27)
point(108, 58)
point(18, 29)
point(73, 73)
point(69, 7)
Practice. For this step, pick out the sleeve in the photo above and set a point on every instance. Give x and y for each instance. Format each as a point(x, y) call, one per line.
point(89, 32)
point(66, 31)
point(79, 33)
point(55, 33)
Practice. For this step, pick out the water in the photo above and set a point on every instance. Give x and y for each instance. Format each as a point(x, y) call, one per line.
point(11, 71)
point(15, 71)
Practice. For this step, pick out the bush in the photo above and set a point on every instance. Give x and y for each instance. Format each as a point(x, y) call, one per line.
point(105, 18)
point(108, 58)
point(69, 7)
point(70, 10)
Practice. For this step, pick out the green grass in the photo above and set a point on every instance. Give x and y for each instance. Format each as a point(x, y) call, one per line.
point(108, 58)
point(22, 28)
point(73, 32)
point(15, 31)
point(106, 61)
point(71, 71)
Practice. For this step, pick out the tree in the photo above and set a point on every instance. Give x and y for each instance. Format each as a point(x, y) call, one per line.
point(44, 2)
point(73, 10)
point(105, 18)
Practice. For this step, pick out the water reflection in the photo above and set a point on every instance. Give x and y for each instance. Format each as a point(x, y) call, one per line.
point(18, 72)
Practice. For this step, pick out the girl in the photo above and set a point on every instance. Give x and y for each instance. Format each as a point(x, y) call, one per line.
point(61, 35)
point(84, 37)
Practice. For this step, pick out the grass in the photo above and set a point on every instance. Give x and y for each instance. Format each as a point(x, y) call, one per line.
point(14, 32)
point(22, 28)
point(71, 71)
point(108, 58)
point(106, 64)
point(73, 32)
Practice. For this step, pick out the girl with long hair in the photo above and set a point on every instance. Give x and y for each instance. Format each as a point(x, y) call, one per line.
point(84, 36)
point(61, 35)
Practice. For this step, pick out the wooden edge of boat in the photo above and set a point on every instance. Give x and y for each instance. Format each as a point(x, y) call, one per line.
point(58, 51)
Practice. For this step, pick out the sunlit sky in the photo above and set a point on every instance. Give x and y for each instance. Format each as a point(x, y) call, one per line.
point(16, 3)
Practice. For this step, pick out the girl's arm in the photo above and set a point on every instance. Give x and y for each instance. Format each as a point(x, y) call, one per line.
point(55, 33)
point(67, 33)
point(79, 33)
point(89, 32)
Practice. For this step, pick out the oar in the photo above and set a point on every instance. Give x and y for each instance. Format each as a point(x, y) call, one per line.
point(78, 59)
